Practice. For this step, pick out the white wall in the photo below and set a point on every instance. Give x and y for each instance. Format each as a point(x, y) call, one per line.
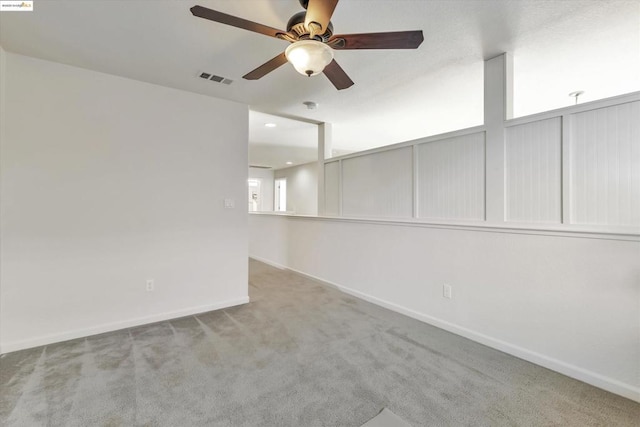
point(107, 182)
point(567, 302)
point(450, 178)
point(535, 222)
point(266, 184)
point(378, 185)
point(276, 155)
point(302, 188)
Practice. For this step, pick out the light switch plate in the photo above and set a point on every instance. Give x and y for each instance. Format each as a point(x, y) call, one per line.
point(229, 203)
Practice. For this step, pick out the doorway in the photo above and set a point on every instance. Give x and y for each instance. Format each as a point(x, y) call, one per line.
point(255, 195)
point(280, 191)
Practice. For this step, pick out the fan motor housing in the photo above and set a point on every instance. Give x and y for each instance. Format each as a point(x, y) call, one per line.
point(296, 26)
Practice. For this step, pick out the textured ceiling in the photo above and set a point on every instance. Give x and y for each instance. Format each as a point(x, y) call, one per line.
point(558, 47)
point(290, 140)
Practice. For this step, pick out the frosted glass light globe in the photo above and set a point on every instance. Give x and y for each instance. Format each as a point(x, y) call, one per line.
point(309, 57)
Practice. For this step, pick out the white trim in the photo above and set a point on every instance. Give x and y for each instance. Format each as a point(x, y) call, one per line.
point(581, 374)
point(340, 192)
point(414, 182)
point(564, 230)
point(425, 140)
point(496, 223)
point(565, 169)
point(266, 261)
point(114, 326)
point(573, 109)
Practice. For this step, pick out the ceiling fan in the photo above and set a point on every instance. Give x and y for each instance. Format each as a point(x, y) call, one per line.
point(313, 42)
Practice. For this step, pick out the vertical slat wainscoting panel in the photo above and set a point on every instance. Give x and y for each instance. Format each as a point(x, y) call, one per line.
point(332, 189)
point(451, 178)
point(605, 166)
point(533, 173)
point(378, 184)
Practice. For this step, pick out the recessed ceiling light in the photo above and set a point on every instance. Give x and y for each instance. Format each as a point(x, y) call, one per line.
point(270, 125)
point(289, 163)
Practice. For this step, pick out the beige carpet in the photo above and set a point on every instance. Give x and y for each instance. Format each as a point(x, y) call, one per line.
point(386, 418)
point(300, 354)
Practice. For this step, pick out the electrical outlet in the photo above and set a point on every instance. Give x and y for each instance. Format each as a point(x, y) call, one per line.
point(150, 285)
point(446, 291)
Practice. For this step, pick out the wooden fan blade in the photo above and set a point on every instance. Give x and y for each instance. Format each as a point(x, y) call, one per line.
point(234, 21)
point(266, 68)
point(392, 40)
point(337, 76)
point(320, 11)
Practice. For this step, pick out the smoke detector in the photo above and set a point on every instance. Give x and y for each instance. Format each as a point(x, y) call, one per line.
point(311, 105)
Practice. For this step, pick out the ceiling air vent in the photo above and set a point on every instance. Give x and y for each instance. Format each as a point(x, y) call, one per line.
point(214, 78)
point(260, 167)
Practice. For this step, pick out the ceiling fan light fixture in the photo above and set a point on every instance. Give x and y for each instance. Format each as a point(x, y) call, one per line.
point(309, 57)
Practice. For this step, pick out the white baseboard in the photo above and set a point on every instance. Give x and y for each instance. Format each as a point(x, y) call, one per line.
point(271, 263)
point(584, 375)
point(114, 326)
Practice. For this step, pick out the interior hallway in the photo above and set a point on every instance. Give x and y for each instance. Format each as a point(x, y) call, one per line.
point(300, 354)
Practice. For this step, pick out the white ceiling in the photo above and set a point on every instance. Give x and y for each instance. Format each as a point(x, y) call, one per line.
point(558, 47)
point(291, 141)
